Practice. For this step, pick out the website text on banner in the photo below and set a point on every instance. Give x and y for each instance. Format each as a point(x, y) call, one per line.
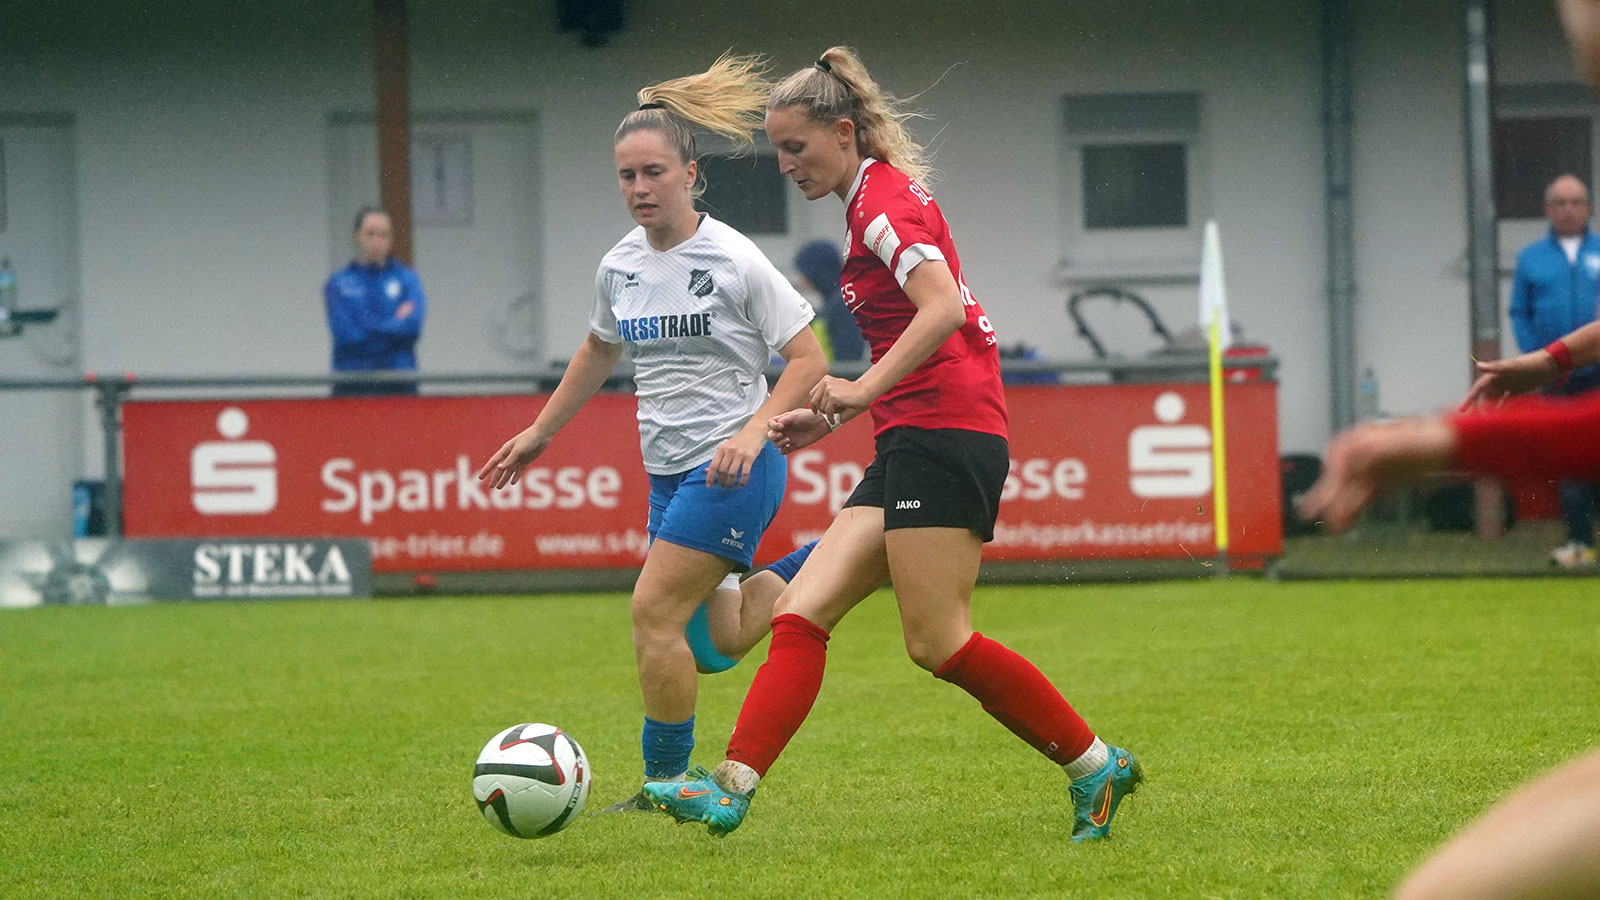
point(1097, 472)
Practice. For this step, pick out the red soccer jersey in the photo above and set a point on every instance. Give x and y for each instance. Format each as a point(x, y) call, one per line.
point(893, 225)
point(1531, 436)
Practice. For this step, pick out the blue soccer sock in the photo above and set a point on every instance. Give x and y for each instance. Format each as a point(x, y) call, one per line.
point(789, 566)
point(706, 656)
point(666, 748)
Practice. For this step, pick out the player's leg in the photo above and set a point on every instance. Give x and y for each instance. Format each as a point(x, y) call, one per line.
point(846, 566)
point(1537, 844)
point(735, 618)
point(1578, 551)
point(684, 563)
point(670, 587)
point(933, 570)
point(941, 499)
point(739, 616)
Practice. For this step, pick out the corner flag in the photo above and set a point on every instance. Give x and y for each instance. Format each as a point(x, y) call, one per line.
point(1214, 321)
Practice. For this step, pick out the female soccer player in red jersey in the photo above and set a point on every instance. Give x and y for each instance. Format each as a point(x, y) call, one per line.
point(929, 499)
point(1539, 842)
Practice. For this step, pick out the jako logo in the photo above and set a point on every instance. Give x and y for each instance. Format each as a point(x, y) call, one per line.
point(908, 504)
point(1170, 460)
point(234, 477)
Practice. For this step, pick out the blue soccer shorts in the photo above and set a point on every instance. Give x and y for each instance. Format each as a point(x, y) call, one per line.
point(722, 521)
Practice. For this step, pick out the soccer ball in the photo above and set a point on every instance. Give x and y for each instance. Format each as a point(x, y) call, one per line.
point(531, 780)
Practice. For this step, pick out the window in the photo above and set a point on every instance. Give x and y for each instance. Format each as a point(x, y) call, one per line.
point(1530, 152)
point(1135, 186)
point(747, 192)
point(1131, 187)
point(1540, 131)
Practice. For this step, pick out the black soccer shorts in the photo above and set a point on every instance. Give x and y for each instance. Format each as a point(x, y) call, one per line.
point(936, 478)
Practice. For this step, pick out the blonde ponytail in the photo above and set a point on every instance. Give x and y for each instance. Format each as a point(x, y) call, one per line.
point(728, 99)
point(838, 86)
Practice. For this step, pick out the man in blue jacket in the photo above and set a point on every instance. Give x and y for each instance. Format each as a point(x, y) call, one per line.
point(375, 309)
point(1555, 291)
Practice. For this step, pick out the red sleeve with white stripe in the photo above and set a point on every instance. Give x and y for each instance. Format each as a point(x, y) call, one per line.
point(1536, 436)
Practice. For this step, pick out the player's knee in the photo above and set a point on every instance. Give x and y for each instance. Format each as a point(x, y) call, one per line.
point(729, 645)
point(653, 618)
point(932, 647)
point(927, 653)
point(786, 604)
point(712, 651)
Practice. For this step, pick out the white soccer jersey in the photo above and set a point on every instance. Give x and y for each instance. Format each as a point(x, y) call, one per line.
point(700, 322)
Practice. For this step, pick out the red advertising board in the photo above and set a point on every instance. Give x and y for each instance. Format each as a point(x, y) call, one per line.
point(1097, 472)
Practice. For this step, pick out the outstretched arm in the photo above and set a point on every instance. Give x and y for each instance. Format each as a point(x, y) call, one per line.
point(1368, 458)
point(1549, 438)
point(1530, 371)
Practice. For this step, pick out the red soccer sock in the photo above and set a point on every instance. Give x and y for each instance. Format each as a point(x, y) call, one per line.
point(781, 696)
point(1018, 695)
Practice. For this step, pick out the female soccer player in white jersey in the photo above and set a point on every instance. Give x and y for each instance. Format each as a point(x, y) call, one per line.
point(699, 310)
point(929, 498)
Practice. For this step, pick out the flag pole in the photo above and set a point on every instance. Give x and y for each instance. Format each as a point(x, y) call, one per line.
point(1214, 310)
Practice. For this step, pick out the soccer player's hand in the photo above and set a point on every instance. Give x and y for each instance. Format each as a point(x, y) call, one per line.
point(796, 430)
point(730, 465)
point(1501, 378)
point(506, 465)
point(839, 397)
point(1364, 459)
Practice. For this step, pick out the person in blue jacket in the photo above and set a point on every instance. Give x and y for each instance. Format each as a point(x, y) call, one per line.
point(819, 263)
point(375, 309)
point(1556, 290)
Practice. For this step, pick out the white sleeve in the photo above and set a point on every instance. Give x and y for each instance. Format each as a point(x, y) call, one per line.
point(603, 319)
point(775, 307)
point(911, 256)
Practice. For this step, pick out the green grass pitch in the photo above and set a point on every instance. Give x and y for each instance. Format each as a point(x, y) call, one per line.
point(1300, 740)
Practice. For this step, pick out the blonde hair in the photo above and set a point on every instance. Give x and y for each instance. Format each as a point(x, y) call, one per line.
point(837, 86)
point(728, 99)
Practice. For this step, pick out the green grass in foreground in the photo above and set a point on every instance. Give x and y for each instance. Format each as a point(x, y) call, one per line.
point(1300, 740)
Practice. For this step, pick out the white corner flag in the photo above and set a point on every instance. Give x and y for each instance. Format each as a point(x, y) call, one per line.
point(1215, 325)
point(1213, 293)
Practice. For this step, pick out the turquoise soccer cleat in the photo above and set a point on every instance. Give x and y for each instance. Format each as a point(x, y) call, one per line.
point(1095, 798)
point(700, 800)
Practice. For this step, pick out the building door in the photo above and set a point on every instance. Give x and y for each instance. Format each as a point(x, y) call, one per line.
point(43, 432)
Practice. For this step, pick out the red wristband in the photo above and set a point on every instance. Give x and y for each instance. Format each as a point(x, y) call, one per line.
point(1561, 354)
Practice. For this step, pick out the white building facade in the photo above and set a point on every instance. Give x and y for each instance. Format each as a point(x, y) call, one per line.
point(180, 178)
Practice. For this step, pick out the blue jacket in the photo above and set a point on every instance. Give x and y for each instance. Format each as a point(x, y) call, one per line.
point(819, 261)
point(361, 302)
point(1550, 296)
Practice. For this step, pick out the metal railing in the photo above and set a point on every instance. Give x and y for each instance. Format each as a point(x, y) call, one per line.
point(111, 391)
